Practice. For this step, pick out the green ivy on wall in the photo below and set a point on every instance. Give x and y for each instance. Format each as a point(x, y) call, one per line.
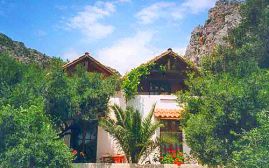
point(132, 80)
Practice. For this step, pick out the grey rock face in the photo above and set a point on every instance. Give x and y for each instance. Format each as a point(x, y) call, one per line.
point(224, 17)
point(20, 52)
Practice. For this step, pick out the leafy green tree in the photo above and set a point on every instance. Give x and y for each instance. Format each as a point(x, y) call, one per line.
point(58, 99)
point(20, 82)
point(11, 73)
point(254, 30)
point(82, 96)
point(253, 145)
point(27, 136)
point(132, 133)
point(28, 139)
point(92, 93)
point(224, 103)
point(218, 108)
point(30, 88)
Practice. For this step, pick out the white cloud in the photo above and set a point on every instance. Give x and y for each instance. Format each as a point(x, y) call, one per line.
point(197, 6)
point(180, 51)
point(129, 52)
point(153, 12)
point(88, 21)
point(70, 54)
point(123, 1)
point(172, 11)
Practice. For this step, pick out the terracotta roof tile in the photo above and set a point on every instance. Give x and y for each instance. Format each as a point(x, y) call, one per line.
point(168, 113)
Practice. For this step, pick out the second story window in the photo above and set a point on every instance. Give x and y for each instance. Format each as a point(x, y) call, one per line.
point(158, 87)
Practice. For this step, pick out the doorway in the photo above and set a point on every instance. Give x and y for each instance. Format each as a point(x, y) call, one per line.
point(172, 131)
point(84, 140)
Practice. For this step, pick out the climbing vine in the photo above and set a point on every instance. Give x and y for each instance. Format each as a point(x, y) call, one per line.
point(132, 80)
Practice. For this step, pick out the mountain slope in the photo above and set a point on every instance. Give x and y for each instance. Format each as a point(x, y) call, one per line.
point(222, 18)
point(20, 52)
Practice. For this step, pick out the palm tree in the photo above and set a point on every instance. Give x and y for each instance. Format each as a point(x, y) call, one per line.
point(132, 133)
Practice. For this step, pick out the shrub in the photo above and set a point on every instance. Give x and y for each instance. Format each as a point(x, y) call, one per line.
point(28, 140)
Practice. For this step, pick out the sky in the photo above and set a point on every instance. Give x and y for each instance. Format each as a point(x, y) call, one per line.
point(121, 34)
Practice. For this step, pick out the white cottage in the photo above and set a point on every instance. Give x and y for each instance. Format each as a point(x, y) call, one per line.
point(157, 88)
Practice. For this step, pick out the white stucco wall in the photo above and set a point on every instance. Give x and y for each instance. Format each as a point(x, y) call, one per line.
point(143, 103)
point(105, 143)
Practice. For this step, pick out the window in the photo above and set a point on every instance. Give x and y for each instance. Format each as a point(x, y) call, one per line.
point(172, 131)
point(84, 140)
point(158, 87)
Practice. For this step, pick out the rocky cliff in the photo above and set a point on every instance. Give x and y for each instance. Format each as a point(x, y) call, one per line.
point(221, 19)
point(20, 52)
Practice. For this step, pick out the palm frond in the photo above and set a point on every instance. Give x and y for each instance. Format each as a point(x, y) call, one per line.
point(119, 114)
point(131, 132)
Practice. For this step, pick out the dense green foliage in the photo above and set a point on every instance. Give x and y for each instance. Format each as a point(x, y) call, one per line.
point(28, 139)
point(219, 109)
point(38, 107)
point(226, 104)
point(26, 133)
point(253, 146)
point(84, 96)
point(10, 71)
point(132, 79)
point(20, 83)
point(58, 98)
point(132, 133)
point(253, 31)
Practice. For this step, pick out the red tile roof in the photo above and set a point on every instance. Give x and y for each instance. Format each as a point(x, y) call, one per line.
point(168, 113)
